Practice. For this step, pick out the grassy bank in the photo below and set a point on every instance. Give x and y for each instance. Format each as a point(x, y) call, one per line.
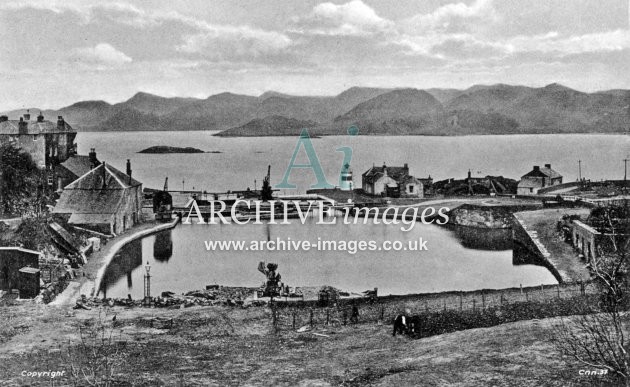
point(229, 346)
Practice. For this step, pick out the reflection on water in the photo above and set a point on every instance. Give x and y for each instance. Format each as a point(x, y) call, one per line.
point(124, 263)
point(482, 238)
point(163, 246)
point(455, 260)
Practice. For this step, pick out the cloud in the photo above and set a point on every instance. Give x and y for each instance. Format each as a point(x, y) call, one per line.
point(552, 43)
point(352, 18)
point(234, 42)
point(101, 55)
point(454, 17)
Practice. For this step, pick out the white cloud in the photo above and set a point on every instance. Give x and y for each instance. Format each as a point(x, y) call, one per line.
point(103, 54)
point(552, 43)
point(454, 17)
point(352, 18)
point(225, 42)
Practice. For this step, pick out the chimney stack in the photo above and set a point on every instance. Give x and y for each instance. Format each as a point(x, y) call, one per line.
point(4, 118)
point(40, 117)
point(22, 126)
point(548, 166)
point(61, 124)
point(129, 170)
point(536, 168)
point(27, 116)
point(92, 158)
point(406, 167)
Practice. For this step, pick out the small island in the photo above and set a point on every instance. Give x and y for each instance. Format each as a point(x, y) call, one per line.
point(171, 149)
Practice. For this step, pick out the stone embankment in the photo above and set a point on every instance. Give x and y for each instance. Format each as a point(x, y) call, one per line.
point(537, 232)
point(482, 216)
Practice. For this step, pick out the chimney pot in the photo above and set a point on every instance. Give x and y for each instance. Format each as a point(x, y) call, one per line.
point(548, 166)
point(92, 157)
point(536, 168)
point(129, 170)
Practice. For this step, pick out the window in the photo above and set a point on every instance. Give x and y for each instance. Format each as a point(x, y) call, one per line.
point(50, 180)
point(411, 188)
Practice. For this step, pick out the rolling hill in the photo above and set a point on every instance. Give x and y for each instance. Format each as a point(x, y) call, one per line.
point(480, 109)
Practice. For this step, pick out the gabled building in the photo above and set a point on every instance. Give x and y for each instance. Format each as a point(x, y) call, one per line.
point(391, 182)
point(538, 178)
point(48, 143)
point(104, 200)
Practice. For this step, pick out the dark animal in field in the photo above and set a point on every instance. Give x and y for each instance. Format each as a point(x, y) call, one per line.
point(400, 324)
point(413, 324)
point(404, 324)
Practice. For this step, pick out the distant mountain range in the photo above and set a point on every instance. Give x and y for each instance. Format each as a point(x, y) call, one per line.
point(494, 109)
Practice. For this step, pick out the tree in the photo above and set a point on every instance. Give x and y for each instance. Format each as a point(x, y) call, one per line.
point(597, 339)
point(21, 185)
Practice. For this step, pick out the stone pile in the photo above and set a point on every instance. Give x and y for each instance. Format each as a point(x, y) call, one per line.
point(213, 296)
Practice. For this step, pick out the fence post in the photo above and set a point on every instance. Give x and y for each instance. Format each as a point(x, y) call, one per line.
point(382, 313)
point(445, 305)
point(501, 298)
point(293, 319)
point(521, 288)
point(327, 316)
point(474, 304)
point(461, 296)
point(526, 296)
point(483, 300)
point(345, 317)
point(311, 318)
point(558, 290)
point(426, 307)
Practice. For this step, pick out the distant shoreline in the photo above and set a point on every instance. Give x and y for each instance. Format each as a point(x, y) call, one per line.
point(217, 133)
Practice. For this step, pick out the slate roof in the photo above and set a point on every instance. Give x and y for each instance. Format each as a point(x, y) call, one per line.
point(86, 201)
point(114, 179)
point(543, 172)
point(374, 173)
point(88, 194)
point(34, 127)
point(78, 165)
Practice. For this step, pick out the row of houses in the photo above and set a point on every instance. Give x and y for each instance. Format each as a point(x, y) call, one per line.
point(396, 181)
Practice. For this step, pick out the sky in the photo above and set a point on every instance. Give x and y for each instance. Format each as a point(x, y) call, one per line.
point(57, 52)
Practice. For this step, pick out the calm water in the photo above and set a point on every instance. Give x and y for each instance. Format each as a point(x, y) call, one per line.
point(244, 160)
point(180, 262)
point(456, 260)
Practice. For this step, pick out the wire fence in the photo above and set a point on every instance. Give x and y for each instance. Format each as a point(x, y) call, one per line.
point(508, 304)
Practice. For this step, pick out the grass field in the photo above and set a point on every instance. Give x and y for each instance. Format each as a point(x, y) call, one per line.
point(220, 346)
